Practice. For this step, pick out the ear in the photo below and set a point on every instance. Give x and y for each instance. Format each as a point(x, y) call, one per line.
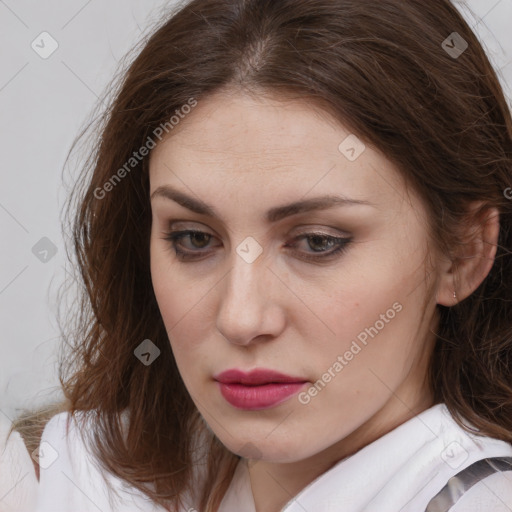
point(470, 262)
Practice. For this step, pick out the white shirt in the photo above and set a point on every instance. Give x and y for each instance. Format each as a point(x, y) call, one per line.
point(18, 481)
point(399, 472)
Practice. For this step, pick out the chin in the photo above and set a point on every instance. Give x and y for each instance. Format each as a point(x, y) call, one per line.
point(273, 448)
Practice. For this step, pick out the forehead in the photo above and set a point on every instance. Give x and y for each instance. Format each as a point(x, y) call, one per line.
point(241, 123)
point(242, 144)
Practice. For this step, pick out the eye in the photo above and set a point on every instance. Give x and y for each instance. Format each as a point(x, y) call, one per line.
point(321, 243)
point(194, 236)
point(323, 246)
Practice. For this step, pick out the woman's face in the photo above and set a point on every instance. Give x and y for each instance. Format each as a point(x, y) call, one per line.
point(329, 293)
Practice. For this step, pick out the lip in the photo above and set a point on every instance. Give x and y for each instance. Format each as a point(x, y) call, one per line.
point(258, 389)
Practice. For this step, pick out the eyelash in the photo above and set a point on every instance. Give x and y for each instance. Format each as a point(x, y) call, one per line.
point(174, 237)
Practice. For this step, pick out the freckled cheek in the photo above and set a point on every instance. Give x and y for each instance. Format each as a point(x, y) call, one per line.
point(174, 295)
point(360, 316)
point(185, 320)
point(177, 313)
point(189, 347)
point(346, 315)
point(193, 354)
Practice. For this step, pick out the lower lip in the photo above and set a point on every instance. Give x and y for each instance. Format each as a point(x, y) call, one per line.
point(252, 398)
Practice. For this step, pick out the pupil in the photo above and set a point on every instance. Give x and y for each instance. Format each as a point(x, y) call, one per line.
point(318, 241)
point(197, 236)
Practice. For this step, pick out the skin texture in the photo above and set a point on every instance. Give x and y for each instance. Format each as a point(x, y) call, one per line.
point(243, 155)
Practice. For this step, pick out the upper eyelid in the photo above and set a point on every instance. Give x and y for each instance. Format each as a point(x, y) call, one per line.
point(309, 232)
point(183, 225)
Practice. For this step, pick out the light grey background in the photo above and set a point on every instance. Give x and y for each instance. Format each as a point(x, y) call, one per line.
point(43, 104)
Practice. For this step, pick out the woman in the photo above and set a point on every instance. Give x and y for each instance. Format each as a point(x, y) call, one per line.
point(295, 245)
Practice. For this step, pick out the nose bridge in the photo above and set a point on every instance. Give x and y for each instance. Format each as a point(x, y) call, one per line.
point(248, 269)
point(244, 299)
point(244, 282)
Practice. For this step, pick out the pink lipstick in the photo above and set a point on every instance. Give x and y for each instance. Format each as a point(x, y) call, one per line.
point(257, 389)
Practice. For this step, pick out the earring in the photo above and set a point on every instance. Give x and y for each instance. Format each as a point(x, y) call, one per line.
point(454, 294)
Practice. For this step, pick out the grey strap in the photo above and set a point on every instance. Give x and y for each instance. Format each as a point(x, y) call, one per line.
point(461, 482)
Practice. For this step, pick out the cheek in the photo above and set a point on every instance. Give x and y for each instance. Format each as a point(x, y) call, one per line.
point(182, 302)
point(175, 288)
point(371, 315)
point(356, 302)
point(171, 297)
point(161, 278)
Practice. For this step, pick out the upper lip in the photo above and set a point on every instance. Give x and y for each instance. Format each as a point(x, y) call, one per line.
point(255, 377)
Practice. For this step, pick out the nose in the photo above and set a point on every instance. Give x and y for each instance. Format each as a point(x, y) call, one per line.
point(250, 306)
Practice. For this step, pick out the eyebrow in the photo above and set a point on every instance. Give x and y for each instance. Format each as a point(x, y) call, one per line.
point(273, 215)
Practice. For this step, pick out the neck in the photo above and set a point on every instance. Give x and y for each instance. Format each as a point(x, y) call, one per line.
point(275, 484)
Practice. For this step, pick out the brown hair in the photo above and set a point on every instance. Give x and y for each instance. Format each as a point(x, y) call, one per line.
point(379, 68)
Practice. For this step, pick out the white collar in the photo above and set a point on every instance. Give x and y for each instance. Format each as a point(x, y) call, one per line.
point(402, 470)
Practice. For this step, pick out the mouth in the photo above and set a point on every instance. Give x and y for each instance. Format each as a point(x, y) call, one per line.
point(257, 389)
